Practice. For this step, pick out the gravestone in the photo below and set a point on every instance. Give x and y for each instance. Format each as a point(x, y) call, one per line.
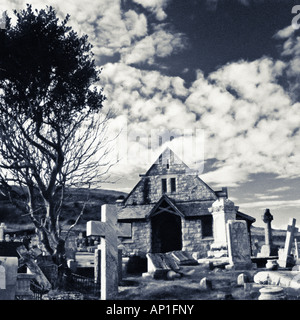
point(2, 277)
point(33, 267)
point(285, 258)
point(222, 211)
point(108, 230)
point(268, 249)
point(239, 245)
point(183, 258)
point(2, 228)
point(159, 264)
point(23, 291)
point(9, 284)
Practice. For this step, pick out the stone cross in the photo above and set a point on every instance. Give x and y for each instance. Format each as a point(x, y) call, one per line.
point(268, 249)
point(26, 258)
point(296, 250)
point(290, 234)
point(267, 218)
point(108, 230)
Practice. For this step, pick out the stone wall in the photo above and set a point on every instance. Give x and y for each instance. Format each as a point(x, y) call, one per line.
point(192, 239)
point(188, 186)
point(141, 238)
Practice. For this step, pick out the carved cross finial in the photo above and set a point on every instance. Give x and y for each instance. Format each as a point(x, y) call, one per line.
point(267, 217)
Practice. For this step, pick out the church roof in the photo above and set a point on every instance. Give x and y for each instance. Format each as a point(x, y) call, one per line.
point(158, 168)
point(187, 209)
point(193, 198)
point(134, 212)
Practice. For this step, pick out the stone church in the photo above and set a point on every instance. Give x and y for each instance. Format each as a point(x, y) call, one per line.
point(171, 208)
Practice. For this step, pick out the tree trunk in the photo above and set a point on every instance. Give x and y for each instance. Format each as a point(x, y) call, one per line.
point(59, 258)
point(54, 244)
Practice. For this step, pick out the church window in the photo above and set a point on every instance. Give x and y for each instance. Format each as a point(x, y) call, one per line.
point(164, 185)
point(173, 184)
point(207, 226)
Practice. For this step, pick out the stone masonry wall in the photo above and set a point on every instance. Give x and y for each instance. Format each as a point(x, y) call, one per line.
point(188, 188)
point(141, 238)
point(188, 185)
point(192, 239)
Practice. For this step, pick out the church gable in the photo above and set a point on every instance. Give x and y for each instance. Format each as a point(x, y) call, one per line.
point(171, 176)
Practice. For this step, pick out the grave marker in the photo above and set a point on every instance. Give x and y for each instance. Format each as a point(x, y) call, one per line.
point(9, 285)
point(284, 255)
point(239, 245)
point(33, 267)
point(183, 258)
point(2, 277)
point(268, 249)
point(2, 228)
point(160, 264)
point(109, 232)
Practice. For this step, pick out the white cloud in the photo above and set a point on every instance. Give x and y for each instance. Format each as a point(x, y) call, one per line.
point(155, 6)
point(136, 24)
point(161, 43)
point(285, 33)
point(279, 189)
point(249, 120)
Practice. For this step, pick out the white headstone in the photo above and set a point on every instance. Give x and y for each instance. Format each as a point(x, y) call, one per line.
point(222, 210)
point(2, 228)
point(108, 230)
point(10, 264)
point(284, 255)
point(2, 277)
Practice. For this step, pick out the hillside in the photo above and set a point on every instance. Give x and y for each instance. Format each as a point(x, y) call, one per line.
point(16, 220)
point(278, 236)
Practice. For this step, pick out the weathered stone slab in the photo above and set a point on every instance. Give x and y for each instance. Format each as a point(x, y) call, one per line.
point(2, 277)
point(222, 211)
point(285, 255)
point(239, 250)
point(2, 228)
point(183, 258)
point(23, 285)
point(156, 262)
point(159, 264)
point(10, 266)
point(34, 268)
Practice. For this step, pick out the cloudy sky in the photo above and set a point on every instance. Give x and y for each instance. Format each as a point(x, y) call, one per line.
point(220, 76)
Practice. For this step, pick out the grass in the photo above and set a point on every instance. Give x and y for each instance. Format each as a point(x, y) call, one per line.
point(187, 287)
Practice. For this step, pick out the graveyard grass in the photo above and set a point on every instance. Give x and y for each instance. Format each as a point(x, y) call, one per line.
point(187, 287)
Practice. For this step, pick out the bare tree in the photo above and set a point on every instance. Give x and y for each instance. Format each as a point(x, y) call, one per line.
point(52, 128)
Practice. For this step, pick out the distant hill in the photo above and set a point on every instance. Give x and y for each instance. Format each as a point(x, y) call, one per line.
point(278, 236)
point(75, 198)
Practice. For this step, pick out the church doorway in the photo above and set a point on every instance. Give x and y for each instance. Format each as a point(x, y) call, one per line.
point(166, 232)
